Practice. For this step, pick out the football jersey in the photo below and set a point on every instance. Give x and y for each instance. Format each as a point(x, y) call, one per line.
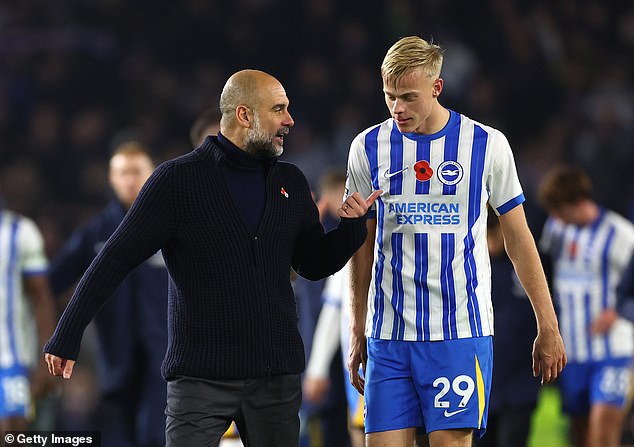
point(21, 254)
point(588, 263)
point(431, 274)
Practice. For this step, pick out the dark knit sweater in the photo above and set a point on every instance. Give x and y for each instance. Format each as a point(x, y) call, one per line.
point(231, 309)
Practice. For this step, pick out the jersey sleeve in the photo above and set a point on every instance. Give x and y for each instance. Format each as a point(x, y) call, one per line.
point(33, 260)
point(503, 183)
point(623, 244)
point(358, 175)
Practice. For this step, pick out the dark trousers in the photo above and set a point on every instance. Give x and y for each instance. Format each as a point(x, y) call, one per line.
point(265, 411)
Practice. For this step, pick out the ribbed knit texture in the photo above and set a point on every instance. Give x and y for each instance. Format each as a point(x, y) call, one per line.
point(231, 309)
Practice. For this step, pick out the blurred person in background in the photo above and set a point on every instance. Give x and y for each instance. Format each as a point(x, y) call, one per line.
point(422, 318)
point(514, 390)
point(324, 385)
point(231, 221)
point(207, 123)
point(625, 309)
point(131, 327)
point(590, 247)
point(27, 319)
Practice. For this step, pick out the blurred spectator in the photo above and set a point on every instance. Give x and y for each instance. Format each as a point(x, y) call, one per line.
point(133, 395)
point(590, 247)
point(26, 320)
point(328, 412)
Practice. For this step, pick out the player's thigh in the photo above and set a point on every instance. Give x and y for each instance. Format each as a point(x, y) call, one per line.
point(606, 424)
point(453, 380)
point(402, 437)
point(454, 438)
point(391, 401)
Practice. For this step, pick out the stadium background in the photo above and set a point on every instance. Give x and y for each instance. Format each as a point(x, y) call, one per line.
point(77, 75)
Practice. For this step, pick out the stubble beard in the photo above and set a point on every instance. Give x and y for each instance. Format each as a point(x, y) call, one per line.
point(260, 143)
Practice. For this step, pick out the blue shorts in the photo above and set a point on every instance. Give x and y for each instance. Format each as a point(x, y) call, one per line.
point(585, 384)
point(15, 393)
point(442, 385)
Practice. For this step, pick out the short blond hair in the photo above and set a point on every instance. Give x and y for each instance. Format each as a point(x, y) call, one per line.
point(410, 53)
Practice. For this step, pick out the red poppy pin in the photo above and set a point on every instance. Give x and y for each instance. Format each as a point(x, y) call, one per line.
point(283, 192)
point(423, 170)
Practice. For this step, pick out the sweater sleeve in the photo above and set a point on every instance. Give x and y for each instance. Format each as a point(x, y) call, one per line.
point(145, 229)
point(318, 254)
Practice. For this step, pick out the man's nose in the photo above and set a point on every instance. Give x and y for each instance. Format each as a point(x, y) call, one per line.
point(397, 107)
point(288, 120)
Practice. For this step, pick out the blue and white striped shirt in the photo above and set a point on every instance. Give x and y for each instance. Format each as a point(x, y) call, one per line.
point(431, 274)
point(588, 263)
point(21, 254)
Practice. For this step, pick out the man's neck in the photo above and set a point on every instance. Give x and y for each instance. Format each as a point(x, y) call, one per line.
point(437, 120)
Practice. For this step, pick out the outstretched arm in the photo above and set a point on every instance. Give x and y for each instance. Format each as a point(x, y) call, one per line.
point(549, 356)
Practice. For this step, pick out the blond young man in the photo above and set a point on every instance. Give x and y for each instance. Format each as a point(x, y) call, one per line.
point(422, 318)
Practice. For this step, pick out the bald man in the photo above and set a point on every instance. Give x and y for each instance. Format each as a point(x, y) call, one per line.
point(231, 221)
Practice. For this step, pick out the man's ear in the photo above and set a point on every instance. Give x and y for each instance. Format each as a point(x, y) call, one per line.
point(244, 116)
point(438, 85)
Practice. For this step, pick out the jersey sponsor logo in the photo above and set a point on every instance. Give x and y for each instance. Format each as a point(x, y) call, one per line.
point(448, 414)
point(387, 174)
point(428, 213)
point(450, 172)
